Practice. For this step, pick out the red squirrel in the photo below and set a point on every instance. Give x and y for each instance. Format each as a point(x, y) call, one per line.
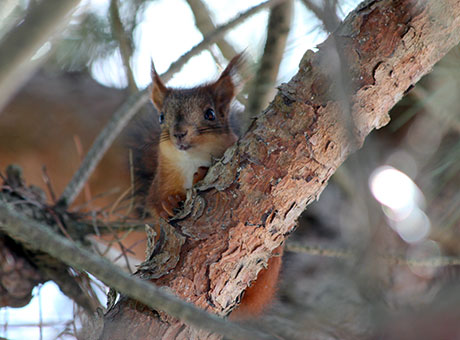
point(196, 127)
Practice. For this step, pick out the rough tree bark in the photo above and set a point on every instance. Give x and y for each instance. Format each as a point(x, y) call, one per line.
point(250, 200)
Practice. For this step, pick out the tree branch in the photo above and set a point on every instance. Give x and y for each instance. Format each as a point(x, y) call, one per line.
point(124, 43)
point(206, 26)
point(262, 88)
point(327, 13)
point(39, 237)
point(345, 254)
point(19, 45)
point(216, 36)
point(103, 141)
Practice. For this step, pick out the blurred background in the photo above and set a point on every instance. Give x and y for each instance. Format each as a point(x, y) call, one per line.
point(375, 257)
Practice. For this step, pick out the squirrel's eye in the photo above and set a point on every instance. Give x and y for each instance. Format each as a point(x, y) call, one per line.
point(209, 114)
point(161, 117)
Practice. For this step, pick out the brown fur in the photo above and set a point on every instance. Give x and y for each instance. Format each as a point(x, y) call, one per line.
point(257, 297)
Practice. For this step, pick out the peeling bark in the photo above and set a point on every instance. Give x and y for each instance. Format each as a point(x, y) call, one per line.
point(249, 202)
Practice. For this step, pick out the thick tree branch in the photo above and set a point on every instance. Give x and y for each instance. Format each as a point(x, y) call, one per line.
point(39, 237)
point(249, 202)
point(18, 46)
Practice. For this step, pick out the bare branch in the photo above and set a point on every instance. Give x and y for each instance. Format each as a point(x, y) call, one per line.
point(316, 250)
point(346, 254)
point(215, 36)
point(263, 87)
point(103, 141)
point(124, 43)
point(206, 26)
point(18, 46)
point(39, 237)
point(327, 13)
point(7, 7)
point(431, 100)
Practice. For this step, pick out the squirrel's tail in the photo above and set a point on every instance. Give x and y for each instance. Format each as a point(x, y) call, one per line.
point(143, 140)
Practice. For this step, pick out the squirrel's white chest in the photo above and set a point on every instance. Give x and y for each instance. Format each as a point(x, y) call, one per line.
point(189, 162)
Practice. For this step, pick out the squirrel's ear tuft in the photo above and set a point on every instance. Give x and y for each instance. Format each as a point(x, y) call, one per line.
point(159, 90)
point(230, 82)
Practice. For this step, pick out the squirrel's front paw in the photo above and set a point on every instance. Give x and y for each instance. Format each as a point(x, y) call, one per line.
point(171, 205)
point(200, 174)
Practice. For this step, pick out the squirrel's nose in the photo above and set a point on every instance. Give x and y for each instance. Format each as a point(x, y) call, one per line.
point(180, 134)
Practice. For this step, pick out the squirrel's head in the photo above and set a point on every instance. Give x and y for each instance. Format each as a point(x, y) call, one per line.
point(191, 117)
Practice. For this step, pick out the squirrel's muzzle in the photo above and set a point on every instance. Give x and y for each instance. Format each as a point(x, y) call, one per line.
point(182, 137)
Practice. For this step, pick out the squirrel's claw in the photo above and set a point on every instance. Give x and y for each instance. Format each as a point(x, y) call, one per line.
point(171, 205)
point(164, 215)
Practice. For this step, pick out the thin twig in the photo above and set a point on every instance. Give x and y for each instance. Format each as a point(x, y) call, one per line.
point(60, 225)
point(446, 117)
point(48, 184)
point(125, 250)
point(40, 313)
point(107, 193)
point(119, 241)
point(131, 176)
point(124, 43)
point(204, 23)
point(215, 36)
point(134, 103)
point(87, 189)
point(339, 72)
point(400, 260)
point(262, 88)
point(39, 237)
point(327, 13)
point(118, 200)
point(19, 45)
point(7, 7)
point(118, 121)
point(319, 251)
point(106, 228)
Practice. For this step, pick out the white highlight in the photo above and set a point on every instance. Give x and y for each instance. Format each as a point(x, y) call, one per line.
point(392, 188)
point(42, 51)
point(414, 228)
point(401, 201)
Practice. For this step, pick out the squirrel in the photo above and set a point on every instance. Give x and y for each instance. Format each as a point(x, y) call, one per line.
point(196, 126)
